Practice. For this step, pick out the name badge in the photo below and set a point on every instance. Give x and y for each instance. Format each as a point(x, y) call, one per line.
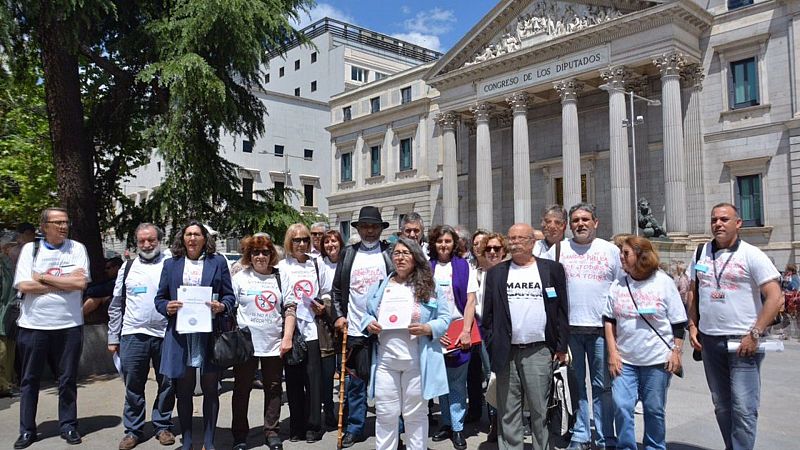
point(701, 267)
point(717, 295)
point(140, 290)
point(443, 282)
point(253, 292)
point(551, 292)
point(646, 311)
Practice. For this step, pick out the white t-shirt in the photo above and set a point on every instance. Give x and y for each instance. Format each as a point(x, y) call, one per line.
point(444, 279)
point(55, 310)
point(259, 308)
point(540, 249)
point(590, 270)
point(300, 285)
point(399, 344)
point(480, 278)
point(192, 272)
point(659, 301)
point(368, 269)
point(526, 304)
point(745, 270)
point(141, 316)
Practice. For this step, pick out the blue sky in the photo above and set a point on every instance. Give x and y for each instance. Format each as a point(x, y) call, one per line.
point(437, 25)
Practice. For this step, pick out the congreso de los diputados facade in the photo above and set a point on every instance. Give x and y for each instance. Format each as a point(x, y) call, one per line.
point(682, 104)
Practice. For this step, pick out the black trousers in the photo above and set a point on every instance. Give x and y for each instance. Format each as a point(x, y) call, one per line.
point(475, 379)
point(328, 370)
point(304, 393)
point(61, 350)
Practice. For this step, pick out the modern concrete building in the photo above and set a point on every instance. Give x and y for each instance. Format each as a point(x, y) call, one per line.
point(533, 106)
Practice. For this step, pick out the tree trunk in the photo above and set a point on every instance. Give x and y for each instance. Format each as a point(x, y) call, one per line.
point(73, 154)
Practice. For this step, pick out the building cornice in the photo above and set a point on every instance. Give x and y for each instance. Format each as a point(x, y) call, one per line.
point(415, 107)
point(372, 191)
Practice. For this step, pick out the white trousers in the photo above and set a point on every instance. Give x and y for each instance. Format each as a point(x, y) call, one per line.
point(398, 390)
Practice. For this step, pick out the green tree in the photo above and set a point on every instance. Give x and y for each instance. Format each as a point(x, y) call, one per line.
point(123, 77)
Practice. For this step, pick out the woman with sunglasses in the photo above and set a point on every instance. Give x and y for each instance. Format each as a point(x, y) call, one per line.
point(260, 309)
point(304, 282)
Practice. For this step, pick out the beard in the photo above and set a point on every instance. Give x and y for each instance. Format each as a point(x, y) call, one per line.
point(151, 254)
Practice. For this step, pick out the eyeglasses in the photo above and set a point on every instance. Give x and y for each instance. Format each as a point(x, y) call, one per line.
point(301, 240)
point(401, 254)
point(493, 248)
point(316, 234)
point(519, 238)
point(260, 252)
point(60, 223)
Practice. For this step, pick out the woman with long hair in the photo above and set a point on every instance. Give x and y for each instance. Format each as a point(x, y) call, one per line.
point(407, 364)
point(332, 245)
point(194, 262)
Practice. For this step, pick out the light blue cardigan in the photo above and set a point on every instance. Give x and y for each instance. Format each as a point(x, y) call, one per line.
point(435, 313)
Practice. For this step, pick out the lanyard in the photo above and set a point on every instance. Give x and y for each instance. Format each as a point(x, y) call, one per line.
point(718, 276)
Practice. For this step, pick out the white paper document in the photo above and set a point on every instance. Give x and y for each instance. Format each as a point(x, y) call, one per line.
point(395, 314)
point(304, 311)
point(118, 365)
point(195, 314)
point(763, 346)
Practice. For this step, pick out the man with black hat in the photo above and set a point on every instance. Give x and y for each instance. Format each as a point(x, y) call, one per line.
point(361, 266)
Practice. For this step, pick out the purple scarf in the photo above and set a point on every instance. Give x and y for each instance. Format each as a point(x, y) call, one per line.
point(460, 282)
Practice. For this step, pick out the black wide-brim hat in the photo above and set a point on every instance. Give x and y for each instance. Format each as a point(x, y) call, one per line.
point(370, 215)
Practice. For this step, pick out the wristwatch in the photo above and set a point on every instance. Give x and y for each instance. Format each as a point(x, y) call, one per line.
point(755, 333)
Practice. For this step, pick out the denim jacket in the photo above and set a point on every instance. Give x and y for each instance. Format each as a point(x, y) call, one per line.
point(435, 313)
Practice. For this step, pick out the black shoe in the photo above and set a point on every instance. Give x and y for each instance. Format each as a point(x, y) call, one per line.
point(313, 436)
point(25, 440)
point(240, 446)
point(294, 438)
point(274, 443)
point(348, 440)
point(442, 435)
point(72, 437)
point(458, 440)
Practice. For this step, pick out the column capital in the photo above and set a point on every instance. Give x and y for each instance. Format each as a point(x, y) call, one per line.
point(692, 77)
point(568, 89)
point(519, 102)
point(616, 76)
point(447, 120)
point(481, 111)
point(670, 63)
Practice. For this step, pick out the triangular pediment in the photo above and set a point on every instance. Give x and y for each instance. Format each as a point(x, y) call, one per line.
point(514, 25)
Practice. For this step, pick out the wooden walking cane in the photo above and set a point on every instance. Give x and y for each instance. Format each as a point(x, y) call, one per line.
point(342, 374)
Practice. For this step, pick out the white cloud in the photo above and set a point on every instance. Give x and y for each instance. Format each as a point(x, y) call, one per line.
point(425, 40)
point(405, 9)
point(435, 21)
point(324, 10)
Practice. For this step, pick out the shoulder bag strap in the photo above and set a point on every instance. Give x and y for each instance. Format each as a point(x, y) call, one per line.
point(628, 285)
point(124, 289)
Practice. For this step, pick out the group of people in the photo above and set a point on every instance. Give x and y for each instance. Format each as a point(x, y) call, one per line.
point(408, 314)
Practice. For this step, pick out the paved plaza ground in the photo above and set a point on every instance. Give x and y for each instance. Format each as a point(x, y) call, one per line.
point(690, 416)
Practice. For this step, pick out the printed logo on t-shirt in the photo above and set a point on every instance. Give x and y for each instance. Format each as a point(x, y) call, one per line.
point(590, 266)
point(266, 301)
point(362, 279)
point(524, 290)
point(649, 302)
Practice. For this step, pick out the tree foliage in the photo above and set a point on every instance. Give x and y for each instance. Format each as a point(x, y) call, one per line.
point(170, 75)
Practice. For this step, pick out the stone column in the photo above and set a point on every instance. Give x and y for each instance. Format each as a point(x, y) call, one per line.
point(522, 165)
point(670, 65)
point(570, 141)
point(483, 164)
point(621, 219)
point(448, 123)
point(692, 78)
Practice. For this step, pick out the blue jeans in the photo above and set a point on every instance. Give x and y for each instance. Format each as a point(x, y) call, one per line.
point(454, 404)
point(735, 385)
point(137, 352)
point(592, 348)
point(648, 383)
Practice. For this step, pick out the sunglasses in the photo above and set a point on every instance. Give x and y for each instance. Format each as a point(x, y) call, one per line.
point(261, 252)
point(301, 240)
point(493, 248)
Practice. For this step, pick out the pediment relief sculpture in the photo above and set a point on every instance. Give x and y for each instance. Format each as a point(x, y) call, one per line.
point(544, 20)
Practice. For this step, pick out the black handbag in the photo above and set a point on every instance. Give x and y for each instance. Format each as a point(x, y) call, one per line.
point(232, 348)
point(299, 349)
point(10, 320)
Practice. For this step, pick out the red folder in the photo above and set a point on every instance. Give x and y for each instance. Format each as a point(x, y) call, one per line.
point(454, 331)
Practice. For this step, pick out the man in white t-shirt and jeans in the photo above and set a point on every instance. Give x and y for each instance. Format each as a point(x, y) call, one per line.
point(50, 323)
point(591, 265)
point(361, 266)
point(729, 279)
point(136, 330)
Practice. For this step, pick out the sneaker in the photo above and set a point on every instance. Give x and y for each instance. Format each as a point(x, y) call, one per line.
point(128, 442)
point(579, 446)
point(166, 438)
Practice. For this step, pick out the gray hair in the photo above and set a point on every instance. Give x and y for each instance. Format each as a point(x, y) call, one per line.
point(322, 225)
point(555, 210)
point(412, 217)
point(46, 214)
point(143, 225)
point(588, 207)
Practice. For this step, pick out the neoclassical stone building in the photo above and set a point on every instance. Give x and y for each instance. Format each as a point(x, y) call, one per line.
point(533, 106)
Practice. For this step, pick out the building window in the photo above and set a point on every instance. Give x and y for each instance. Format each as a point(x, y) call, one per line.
point(247, 146)
point(313, 57)
point(374, 104)
point(405, 154)
point(297, 92)
point(278, 151)
point(559, 190)
point(380, 76)
point(266, 78)
point(247, 188)
point(158, 166)
point(744, 83)
point(375, 160)
point(347, 167)
point(748, 200)
point(278, 190)
point(405, 95)
point(297, 65)
point(733, 4)
point(313, 86)
point(280, 72)
point(308, 195)
point(344, 230)
point(308, 154)
point(358, 74)
point(347, 113)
